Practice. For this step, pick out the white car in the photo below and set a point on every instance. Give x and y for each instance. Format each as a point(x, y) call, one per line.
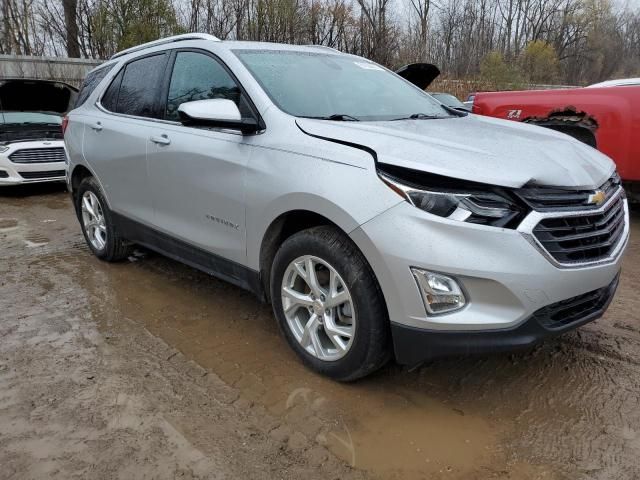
point(31, 116)
point(623, 82)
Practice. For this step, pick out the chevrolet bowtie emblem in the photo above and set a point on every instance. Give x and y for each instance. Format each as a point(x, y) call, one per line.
point(597, 198)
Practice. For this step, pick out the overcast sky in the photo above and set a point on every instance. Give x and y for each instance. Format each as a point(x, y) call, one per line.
point(631, 3)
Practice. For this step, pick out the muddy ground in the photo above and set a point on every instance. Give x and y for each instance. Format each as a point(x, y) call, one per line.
point(150, 369)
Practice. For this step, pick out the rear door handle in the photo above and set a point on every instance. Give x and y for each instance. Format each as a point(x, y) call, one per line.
point(161, 140)
point(97, 126)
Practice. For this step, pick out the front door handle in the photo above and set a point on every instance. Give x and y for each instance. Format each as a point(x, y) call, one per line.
point(161, 140)
point(97, 126)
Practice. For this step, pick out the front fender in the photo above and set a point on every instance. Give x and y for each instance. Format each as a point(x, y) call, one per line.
point(346, 195)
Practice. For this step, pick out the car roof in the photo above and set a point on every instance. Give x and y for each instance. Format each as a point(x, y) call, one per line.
point(616, 83)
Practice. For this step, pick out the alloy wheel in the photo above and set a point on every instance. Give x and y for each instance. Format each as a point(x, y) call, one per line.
point(93, 220)
point(318, 308)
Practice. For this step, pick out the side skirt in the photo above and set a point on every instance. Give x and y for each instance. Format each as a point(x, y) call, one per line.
point(188, 254)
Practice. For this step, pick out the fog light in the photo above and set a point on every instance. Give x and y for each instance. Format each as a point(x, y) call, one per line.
point(440, 293)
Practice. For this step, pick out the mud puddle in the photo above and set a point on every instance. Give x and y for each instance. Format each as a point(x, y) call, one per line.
point(369, 425)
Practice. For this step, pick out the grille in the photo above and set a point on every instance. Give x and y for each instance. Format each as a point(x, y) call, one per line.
point(38, 155)
point(36, 175)
point(545, 199)
point(584, 238)
point(577, 309)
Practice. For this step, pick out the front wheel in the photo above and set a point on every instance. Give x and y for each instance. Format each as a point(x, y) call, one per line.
point(329, 305)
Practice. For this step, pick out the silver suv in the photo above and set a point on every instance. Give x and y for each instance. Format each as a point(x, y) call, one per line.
point(377, 221)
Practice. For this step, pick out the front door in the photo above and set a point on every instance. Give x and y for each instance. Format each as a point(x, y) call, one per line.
point(198, 174)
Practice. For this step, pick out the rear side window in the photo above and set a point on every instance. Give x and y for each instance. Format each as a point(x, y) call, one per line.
point(134, 91)
point(197, 76)
point(91, 82)
point(110, 97)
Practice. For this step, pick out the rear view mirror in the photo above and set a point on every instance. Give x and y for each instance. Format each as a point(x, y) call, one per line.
point(216, 112)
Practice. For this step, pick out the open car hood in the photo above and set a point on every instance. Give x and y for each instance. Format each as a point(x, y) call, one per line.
point(420, 74)
point(24, 95)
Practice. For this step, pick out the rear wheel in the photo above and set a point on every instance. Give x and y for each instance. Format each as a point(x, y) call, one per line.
point(329, 305)
point(97, 223)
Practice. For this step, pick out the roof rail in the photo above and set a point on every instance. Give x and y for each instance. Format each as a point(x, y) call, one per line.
point(162, 41)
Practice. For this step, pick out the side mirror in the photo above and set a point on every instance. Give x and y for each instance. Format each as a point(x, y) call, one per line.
point(216, 112)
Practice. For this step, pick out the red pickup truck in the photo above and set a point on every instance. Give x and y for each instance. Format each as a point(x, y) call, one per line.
point(605, 117)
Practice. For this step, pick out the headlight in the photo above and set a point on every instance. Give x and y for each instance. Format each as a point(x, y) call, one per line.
point(486, 208)
point(3, 149)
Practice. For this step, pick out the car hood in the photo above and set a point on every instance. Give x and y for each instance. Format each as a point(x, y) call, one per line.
point(479, 149)
point(420, 74)
point(26, 95)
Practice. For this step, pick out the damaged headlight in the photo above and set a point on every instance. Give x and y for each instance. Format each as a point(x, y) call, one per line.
point(465, 205)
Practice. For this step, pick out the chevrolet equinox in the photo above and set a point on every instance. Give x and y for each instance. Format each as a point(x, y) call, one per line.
point(378, 222)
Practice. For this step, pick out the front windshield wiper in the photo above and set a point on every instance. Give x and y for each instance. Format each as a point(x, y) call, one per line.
point(339, 117)
point(422, 116)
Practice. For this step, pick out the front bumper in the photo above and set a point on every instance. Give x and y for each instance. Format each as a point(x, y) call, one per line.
point(414, 346)
point(507, 280)
point(23, 173)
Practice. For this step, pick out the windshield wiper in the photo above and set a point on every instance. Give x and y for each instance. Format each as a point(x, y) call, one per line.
point(421, 116)
point(339, 117)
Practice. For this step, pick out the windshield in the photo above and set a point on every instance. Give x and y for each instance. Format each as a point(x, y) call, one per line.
point(336, 87)
point(23, 118)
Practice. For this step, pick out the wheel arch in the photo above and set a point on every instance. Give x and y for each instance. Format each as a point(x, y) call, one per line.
point(288, 214)
point(282, 227)
point(78, 174)
point(573, 122)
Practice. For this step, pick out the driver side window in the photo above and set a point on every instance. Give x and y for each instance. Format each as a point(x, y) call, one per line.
point(197, 76)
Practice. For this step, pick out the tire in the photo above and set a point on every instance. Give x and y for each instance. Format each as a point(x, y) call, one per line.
point(369, 346)
point(114, 247)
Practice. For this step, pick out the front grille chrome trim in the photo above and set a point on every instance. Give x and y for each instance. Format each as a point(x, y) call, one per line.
point(531, 221)
point(26, 156)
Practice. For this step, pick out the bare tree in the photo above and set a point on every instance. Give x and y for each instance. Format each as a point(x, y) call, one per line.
point(589, 39)
point(71, 27)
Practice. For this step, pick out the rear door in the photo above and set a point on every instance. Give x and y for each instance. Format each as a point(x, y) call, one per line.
point(197, 175)
point(117, 133)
